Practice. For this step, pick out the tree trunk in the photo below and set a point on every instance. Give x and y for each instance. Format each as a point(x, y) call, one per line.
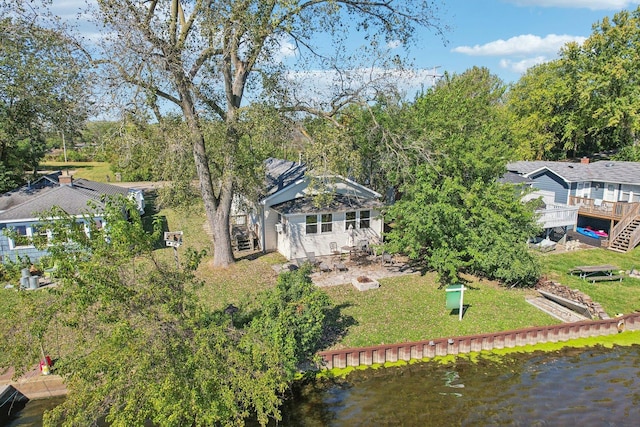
point(216, 209)
point(222, 252)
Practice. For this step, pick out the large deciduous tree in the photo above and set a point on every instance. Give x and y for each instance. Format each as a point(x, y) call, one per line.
point(585, 101)
point(205, 56)
point(454, 216)
point(42, 89)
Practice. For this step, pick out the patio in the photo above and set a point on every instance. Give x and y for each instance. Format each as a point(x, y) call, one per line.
point(372, 267)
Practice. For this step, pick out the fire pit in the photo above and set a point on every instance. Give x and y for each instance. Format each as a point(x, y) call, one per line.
point(364, 283)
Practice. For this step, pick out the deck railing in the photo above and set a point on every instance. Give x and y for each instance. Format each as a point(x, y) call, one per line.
point(558, 216)
point(601, 208)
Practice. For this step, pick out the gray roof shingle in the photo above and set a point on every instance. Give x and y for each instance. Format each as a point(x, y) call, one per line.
point(29, 201)
point(282, 173)
point(603, 171)
point(339, 203)
point(72, 201)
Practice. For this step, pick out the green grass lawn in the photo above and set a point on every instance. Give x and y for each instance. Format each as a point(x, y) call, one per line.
point(615, 297)
point(412, 308)
point(94, 171)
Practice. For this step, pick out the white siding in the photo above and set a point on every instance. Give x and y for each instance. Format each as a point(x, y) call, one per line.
point(299, 244)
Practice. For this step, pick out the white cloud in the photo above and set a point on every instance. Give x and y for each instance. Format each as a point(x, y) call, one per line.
point(579, 4)
point(394, 44)
point(522, 65)
point(526, 44)
point(286, 49)
point(316, 86)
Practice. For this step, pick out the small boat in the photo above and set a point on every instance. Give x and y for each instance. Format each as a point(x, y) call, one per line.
point(600, 233)
point(586, 232)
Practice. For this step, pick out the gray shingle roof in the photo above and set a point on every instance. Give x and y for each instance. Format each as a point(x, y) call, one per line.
point(604, 171)
point(282, 173)
point(339, 203)
point(22, 194)
point(73, 201)
point(101, 187)
point(29, 201)
point(514, 178)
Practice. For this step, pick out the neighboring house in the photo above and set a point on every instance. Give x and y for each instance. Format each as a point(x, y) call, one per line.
point(551, 215)
point(21, 209)
point(289, 220)
point(606, 193)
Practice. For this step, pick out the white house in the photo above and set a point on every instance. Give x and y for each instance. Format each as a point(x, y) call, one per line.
point(293, 219)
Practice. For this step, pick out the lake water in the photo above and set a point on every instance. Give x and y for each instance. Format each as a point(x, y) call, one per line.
point(583, 387)
point(574, 387)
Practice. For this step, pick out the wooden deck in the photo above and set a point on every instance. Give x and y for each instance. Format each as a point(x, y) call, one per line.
point(602, 209)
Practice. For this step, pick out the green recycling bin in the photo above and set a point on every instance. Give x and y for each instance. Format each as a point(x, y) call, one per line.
point(454, 295)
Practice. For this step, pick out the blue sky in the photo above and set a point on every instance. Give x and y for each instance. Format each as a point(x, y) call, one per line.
point(508, 36)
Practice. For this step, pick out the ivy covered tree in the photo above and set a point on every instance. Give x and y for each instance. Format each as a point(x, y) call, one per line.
point(454, 216)
point(136, 346)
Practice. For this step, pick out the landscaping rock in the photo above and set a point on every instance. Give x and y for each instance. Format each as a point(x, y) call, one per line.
point(595, 309)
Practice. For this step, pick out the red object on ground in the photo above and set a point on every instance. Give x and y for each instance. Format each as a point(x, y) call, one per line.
point(48, 362)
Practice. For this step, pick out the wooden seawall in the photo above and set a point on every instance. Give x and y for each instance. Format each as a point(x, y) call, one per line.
point(366, 356)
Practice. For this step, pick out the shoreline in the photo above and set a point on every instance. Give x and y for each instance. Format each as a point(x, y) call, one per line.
point(36, 386)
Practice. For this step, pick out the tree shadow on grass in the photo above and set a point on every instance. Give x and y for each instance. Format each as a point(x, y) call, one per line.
point(335, 325)
point(150, 216)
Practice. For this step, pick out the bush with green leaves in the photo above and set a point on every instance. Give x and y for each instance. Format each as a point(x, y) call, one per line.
point(136, 346)
point(292, 315)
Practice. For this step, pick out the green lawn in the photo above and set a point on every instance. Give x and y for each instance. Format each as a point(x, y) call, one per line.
point(615, 297)
point(95, 171)
point(412, 308)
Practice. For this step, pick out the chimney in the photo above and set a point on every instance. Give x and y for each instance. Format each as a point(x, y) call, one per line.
point(584, 160)
point(65, 179)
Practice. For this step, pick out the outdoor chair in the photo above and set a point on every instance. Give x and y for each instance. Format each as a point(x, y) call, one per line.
point(335, 251)
point(363, 247)
point(339, 266)
point(311, 257)
point(387, 259)
point(325, 268)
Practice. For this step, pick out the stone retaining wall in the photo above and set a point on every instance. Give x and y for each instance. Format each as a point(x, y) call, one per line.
point(595, 309)
point(457, 345)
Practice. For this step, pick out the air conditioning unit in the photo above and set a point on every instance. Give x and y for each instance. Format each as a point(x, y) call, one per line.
point(279, 227)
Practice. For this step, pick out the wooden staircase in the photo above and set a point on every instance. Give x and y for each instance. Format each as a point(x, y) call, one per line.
point(626, 234)
point(243, 242)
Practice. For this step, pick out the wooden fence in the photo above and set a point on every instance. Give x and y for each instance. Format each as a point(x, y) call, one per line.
point(458, 345)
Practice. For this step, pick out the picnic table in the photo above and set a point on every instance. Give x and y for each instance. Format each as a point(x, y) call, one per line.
point(596, 273)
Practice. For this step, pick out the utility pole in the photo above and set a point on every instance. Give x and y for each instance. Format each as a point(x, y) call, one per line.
point(64, 148)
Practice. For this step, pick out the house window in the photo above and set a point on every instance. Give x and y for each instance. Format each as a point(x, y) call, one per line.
point(625, 193)
point(22, 237)
point(327, 223)
point(40, 235)
point(365, 219)
point(350, 220)
point(312, 224)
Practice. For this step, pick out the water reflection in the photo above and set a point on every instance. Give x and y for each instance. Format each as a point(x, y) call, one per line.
point(590, 387)
point(583, 387)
